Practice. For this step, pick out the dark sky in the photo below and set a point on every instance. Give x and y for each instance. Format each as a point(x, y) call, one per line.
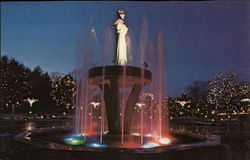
point(200, 38)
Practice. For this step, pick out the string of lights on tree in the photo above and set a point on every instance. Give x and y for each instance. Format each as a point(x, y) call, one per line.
point(221, 96)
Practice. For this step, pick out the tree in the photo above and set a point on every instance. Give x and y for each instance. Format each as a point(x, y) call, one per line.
point(198, 93)
point(41, 87)
point(19, 83)
point(63, 92)
point(174, 108)
point(15, 85)
point(226, 92)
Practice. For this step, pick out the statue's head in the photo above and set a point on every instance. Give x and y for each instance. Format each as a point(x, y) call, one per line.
point(121, 14)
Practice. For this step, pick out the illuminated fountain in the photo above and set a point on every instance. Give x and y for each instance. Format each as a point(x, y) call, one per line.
point(120, 107)
point(122, 89)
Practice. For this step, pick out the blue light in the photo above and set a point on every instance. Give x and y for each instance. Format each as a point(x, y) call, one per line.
point(150, 145)
point(78, 135)
point(96, 145)
point(68, 139)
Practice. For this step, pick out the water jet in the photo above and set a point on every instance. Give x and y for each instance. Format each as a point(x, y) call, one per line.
point(126, 117)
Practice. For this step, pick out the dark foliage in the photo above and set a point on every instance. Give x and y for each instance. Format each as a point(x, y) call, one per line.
point(18, 83)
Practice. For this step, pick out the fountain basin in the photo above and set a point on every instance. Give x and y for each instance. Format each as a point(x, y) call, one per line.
point(50, 142)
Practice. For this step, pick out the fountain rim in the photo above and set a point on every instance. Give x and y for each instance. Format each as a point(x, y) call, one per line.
point(133, 75)
point(211, 140)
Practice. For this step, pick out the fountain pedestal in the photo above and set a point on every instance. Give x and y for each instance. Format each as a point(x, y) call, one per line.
point(111, 79)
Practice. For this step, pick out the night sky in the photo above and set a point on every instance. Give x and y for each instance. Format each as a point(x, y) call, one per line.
point(200, 38)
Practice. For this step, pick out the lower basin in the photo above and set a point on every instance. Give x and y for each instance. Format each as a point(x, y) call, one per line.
point(53, 142)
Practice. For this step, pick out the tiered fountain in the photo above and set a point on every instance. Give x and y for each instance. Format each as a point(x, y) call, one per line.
point(120, 109)
point(121, 88)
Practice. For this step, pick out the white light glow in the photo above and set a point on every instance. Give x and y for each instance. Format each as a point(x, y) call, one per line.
point(150, 145)
point(135, 134)
point(245, 100)
point(31, 101)
point(140, 104)
point(95, 104)
point(164, 141)
point(182, 103)
point(96, 145)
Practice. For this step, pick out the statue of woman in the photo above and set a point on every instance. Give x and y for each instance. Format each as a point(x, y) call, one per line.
point(121, 45)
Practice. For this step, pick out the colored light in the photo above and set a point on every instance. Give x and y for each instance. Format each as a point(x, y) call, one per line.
point(135, 134)
point(68, 139)
point(164, 141)
point(96, 145)
point(150, 145)
point(73, 141)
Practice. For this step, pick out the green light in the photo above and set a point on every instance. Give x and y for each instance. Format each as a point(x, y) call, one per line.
point(74, 142)
point(135, 134)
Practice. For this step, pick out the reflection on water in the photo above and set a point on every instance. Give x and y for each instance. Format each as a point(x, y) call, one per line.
point(29, 126)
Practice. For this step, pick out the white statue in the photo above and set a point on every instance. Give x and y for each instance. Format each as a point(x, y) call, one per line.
point(121, 45)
